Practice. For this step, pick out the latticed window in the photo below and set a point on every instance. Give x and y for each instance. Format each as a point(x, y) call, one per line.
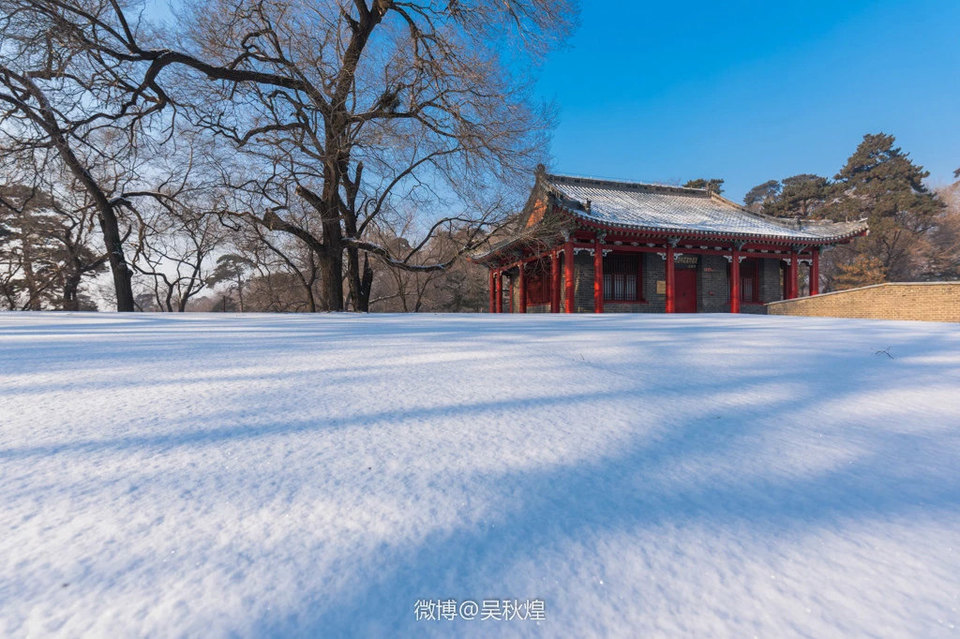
point(621, 278)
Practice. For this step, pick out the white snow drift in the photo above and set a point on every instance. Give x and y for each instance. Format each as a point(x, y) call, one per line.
point(697, 476)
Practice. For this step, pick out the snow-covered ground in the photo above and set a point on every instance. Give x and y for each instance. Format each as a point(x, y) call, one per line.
point(687, 476)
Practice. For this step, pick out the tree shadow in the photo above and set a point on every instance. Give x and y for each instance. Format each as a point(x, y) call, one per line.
point(628, 489)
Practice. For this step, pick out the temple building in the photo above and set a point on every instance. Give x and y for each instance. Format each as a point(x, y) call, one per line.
point(589, 245)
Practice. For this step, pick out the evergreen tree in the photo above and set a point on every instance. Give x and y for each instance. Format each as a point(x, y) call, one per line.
point(801, 196)
point(233, 270)
point(880, 183)
point(714, 185)
point(759, 196)
point(862, 270)
point(45, 251)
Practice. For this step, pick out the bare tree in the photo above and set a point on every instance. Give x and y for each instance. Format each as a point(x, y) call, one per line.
point(938, 252)
point(174, 249)
point(65, 102)
point(347, 107)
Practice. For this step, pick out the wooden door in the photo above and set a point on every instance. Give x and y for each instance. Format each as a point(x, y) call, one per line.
point(686, 300)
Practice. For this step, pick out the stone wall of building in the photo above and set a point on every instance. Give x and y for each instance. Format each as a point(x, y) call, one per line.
point(771, 287)
point(713, 292)
point(928, 301)
point(654, 270)
point(753, 309)
point(583, 286)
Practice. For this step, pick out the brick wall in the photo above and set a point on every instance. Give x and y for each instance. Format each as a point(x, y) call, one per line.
point(654, 269)
point(771, 289)
point(713, 292)
point(583, 284)
point(930, 301)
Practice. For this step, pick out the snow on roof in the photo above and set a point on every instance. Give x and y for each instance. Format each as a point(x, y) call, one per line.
point(636, 205)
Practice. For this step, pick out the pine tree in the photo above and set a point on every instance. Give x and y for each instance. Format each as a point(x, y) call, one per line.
point(882, 184)
point(759, 196)
point(863, 270)
point(45, 251)
point(801, 196)
point(714, 185)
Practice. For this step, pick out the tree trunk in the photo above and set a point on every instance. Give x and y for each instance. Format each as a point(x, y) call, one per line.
point(330, 255)
point(366, 285)
point(331, 279)
point(71, 285)
point(33, 292)
point(311, 298)
point(353, 275)
point(106, 214)
point(118, 264)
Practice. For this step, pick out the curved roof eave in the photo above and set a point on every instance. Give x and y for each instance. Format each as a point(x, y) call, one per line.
point(796, 239)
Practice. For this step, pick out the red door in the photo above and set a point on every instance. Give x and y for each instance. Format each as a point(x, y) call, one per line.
point(686, 301)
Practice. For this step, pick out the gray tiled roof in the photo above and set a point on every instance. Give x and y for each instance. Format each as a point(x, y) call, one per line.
point(669, 208)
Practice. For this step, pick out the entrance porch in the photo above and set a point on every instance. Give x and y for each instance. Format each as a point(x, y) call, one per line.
point(638, 278)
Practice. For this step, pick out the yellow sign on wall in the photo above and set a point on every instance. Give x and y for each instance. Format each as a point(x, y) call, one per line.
point(661, 287)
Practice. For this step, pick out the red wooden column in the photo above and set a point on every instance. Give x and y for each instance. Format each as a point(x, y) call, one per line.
point(786, 281)
point(555, 281)
point(499, 291)
point(523, 289)
point(493, 292)
point(793, 276)
point(815, 272)
point(671, 281)
point(597, 276)
point(735, 281)
point(568, 276)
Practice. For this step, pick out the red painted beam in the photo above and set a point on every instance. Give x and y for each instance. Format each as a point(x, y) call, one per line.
point(627, 248)
point(703, 238)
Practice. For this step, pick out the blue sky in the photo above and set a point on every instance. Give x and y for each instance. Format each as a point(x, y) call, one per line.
point(750, 91)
